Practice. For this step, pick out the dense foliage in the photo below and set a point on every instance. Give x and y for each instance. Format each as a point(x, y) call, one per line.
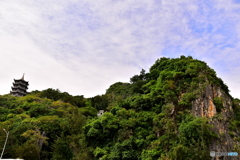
point(41, 128)
point(149, 118)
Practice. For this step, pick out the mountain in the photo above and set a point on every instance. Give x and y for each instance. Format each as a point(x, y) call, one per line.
point(178, 110)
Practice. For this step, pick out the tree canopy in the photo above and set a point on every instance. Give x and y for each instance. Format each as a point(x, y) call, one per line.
point(149, 118)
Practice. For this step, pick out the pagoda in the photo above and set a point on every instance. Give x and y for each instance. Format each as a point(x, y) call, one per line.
point(20, 87)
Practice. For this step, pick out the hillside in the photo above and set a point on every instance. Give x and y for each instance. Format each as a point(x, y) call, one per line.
point(178, 110)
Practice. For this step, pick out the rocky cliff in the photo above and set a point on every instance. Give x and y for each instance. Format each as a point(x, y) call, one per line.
point(216, 105)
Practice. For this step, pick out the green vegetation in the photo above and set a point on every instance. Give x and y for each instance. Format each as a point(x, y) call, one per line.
point(218, 101)
point(147, 119)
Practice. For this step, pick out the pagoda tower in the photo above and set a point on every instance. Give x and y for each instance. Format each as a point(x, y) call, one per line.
point(20, 87)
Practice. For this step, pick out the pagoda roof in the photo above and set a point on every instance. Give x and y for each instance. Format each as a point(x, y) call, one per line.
point(16, 85)
point(22, 79)
point(15, 88)
point(17, 91)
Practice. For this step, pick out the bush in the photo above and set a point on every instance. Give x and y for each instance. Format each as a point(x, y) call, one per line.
point(218, 102)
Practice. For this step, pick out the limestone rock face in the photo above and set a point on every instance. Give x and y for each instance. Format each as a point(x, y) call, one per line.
point(204, 106)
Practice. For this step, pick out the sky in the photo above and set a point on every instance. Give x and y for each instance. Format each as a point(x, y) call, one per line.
point(82, 47)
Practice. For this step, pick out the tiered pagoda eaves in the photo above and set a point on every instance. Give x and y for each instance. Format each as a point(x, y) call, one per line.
point(20, 87)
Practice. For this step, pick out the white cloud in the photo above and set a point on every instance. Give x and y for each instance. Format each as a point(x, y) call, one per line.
point(82, 47)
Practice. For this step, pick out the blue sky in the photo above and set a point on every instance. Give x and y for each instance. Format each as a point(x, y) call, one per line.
point(82, 47)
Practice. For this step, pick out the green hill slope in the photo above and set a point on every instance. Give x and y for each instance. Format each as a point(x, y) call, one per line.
point(178, 110)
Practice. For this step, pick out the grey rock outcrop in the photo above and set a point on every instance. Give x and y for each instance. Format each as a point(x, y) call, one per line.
point(204, 106)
